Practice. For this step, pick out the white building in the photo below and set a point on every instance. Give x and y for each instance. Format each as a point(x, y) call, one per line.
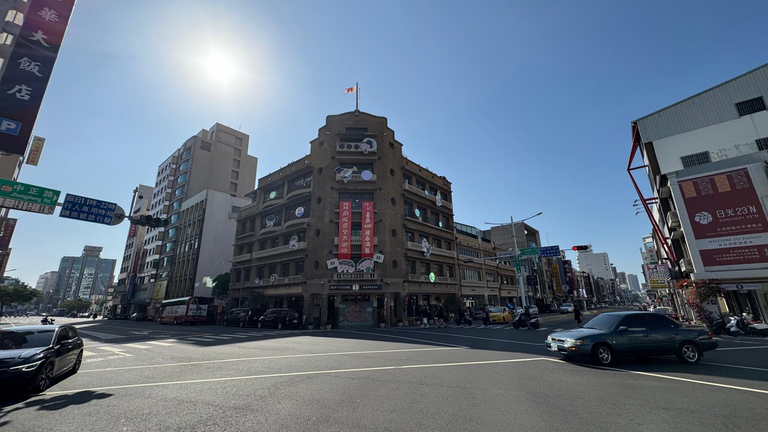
point(705, 160)
point(634, 283)
point(47, 281)
point(597, 264)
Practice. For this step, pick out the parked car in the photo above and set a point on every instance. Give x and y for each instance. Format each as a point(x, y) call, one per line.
point(532, 309)
point(242, 317)
point(500, 315)
point(72, 315)
point(138, 316)
point(279, 318)
point(566, 308)
point(477, 313)
point(31, 357)
point(632, 334)
point(666, 311)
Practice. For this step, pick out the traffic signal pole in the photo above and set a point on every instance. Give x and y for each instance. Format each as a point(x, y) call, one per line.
point(520, 282)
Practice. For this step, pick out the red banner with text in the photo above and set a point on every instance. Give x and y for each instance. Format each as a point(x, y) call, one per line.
point(345, 230)
point(367, 241)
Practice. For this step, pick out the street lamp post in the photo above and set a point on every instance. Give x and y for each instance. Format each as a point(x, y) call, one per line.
point(520, 282)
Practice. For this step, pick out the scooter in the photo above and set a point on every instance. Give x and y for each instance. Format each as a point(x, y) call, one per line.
point(463, 320)
point(521, 321)
point(746, 327)
point(46, 321)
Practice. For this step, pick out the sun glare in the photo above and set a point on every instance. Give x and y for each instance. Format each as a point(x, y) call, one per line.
point(220, 67)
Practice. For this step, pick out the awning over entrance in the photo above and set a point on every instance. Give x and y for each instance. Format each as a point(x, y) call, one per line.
point(742, 287)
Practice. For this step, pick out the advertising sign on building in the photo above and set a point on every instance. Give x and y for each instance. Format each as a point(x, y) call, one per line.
point(35, 150)
point(556, 277)
point(727, 218)
point(367, 240)
point(657, 276)
point(132, 230)
point(6, 233)
point(28, 70)
point(345, 230)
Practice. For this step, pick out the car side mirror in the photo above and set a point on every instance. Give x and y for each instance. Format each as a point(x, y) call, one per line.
point(623, 329)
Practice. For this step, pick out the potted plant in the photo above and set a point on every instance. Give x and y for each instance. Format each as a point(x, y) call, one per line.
point(399, 322)
point(328, 325)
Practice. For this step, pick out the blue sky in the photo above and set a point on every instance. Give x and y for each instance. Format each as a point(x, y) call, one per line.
point(524, 106)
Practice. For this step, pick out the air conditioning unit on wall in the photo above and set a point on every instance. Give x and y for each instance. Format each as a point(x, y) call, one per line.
point(686, 265)
point(673, 220)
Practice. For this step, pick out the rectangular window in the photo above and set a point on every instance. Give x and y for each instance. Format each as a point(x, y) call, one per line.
point(436, 242)
point(490, 277)
point(249, 249)
point(407, 179)
point(750, 106)
point(6, 38)
point(762, 144)
point(235, 175)
point(357, 198)
point(15, 17)
point(357, 130)
point(263, 245)
point(470, 275)
point(433, 191)
point(407, 209)
point(275, 242)
point(411, 265)
point(272, 269)
point(449, 269)
point(285, 269)
point(260, 272)
point(409, 236)
point(439, 270)
point(448, 245)
point(241, 249)
point(237, 152)
point(236, 163)
point(422, 214)
point(424, 268)
point(420, 185)
point(469, 253)
point(247, 276)
point(695, 159)
point(233, 187)
point(299, 265)
point(434, 218)
point(301, 183)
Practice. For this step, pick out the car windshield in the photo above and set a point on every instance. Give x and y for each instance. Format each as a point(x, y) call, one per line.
point(567, 304)
point(495, 310)
point(603, 322)
point(21, 339)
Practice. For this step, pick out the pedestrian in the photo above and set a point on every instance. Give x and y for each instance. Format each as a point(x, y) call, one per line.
point(577, 314)
point(424, 316)
point(440, 316)
point(486, 317)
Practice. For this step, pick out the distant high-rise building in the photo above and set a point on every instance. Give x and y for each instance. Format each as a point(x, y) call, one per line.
point(47, 281)
point(134, 254)
point(622, 278)
point(634, 283)
point(82, 277)
point(597, 264)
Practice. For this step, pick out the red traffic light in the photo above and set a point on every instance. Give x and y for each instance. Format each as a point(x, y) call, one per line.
point(580, 248)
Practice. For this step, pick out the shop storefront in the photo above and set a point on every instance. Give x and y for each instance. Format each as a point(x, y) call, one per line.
point(745, 298)
point(357, 305)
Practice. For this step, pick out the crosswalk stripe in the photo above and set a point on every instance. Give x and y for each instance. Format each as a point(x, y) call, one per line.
point(219, 337)
point(184, 341)
point(236, 335)
point(159, 343)
point(88, 353)
point(201, 339)
point(137, 346)
point(111, 349)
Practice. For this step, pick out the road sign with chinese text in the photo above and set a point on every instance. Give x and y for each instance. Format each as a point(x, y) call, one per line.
point(88, 209)
point(529, 251)
point(27, 192)
point(35, 150)
point(28, 70)
point(550, 251)
point(6, 233)
point(517, 264)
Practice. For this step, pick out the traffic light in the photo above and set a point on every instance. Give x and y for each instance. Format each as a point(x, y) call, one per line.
point(580, 248)
point(150, 221)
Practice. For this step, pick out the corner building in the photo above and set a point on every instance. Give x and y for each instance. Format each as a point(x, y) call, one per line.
point(292, 251)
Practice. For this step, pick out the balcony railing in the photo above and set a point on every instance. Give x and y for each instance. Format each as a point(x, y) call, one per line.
point(278, 250)
point(409, 187)
point(473, 283)
point(356, 178)
point(354, 276)
point(438, 279)
point(242, 257)
point(435, 250)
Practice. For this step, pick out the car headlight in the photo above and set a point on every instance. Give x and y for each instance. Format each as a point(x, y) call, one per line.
point(27, 367)
point(549, 338)
point(573, 342)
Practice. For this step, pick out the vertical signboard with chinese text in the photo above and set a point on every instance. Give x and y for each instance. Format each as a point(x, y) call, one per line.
point(367, 241)
point(345, 230)
point(35, 150)
point(727, 218)
point(6, 233)
point(28, 71)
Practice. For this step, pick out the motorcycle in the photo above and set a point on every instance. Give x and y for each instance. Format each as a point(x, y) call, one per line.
point(46, 321)
point(749, 328)
point(521, 321)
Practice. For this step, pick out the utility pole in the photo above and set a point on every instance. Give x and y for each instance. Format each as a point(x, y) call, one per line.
point(520, 281)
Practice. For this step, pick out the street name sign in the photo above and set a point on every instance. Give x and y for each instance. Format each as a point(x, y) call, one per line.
point(91, 210)
point(27, 197)
point(529, 251)
point(550, 251)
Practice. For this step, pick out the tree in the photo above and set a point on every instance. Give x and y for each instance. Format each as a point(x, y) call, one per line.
point(221, 286)
point(17, 295)
point(75, 305)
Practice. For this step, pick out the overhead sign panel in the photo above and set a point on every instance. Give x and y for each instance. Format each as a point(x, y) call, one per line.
point(550, 251)
point(91, 210)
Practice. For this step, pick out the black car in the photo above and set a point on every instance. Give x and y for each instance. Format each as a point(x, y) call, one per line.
point(632, 334)
point(242, 317)
point(32, 356)
point(279, 318)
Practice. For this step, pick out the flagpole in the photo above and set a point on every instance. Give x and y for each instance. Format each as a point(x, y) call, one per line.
point(357, 97)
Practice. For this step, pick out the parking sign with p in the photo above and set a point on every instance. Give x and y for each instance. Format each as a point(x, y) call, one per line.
point(9, 127)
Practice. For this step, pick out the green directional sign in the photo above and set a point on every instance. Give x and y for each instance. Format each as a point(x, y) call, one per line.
point(517, 264)
point(529, 251)
point(29, 193)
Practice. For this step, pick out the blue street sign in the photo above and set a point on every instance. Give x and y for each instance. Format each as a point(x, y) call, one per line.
point(88, 209)
point(549, 251)
point(9, 127)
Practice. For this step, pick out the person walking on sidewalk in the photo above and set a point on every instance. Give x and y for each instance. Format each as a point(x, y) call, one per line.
point(577, 314)
point(440, 316)
point(425, 316)
point(486, 317)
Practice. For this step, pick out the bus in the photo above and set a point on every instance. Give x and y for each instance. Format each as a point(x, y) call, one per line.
point(184, 310)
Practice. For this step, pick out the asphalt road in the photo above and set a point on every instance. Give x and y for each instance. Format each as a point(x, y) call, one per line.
point(148, 377)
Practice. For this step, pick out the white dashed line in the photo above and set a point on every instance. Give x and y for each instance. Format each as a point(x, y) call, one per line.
point(159, 343)
point(137, 346)
point(218, 337)
point(201, 339)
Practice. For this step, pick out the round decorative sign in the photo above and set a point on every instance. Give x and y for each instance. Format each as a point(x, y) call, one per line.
point(426, 192)
point(366, 175)
point(432, 277)
point(270, 221)
point(440, 224)
point(272, 195)
point(299, 211)
point(418, 213)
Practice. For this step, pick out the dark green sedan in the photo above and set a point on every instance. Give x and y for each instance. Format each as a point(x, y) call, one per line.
point(632, 334)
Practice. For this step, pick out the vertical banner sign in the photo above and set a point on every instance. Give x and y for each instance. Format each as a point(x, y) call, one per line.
point(556, 277)
point(345, 230)
point(6, 234)
point(28, 71)
point(367, 241)
point(132, 231)
point(136, 259)
point(35, 150)
point(727, 218)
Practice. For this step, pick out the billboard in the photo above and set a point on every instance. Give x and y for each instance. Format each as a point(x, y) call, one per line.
point(28, 71)
point(727, 219)
point(345, 230)
point(35, 150)
point(6, 233)
point(367, 240)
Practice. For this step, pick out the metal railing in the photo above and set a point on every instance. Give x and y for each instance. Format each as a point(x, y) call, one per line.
point(354, 276)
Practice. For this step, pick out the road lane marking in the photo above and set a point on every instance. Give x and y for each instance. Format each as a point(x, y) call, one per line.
point(99, 335)
point(742, 348)
point(286, 374)
point(8, 321)
point(273, 357)
point(674, 378)
point(475, 337)
point(201, 339)
point(235, 335)
point(87, 353)
point(403, 337)
point(112, 349)
point(736, 366)
point(218, 337)
point(159, 343)
point(137, 346)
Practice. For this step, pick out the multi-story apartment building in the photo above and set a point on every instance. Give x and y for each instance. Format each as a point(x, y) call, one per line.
point(634, 283)
point(83, 277)
point(353, 234)
point(47, 281)
point(595, 263)
point(705, 161)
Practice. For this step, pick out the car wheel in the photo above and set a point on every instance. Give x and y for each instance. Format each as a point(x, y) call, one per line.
point(504, 321)
point(535, 325)
point(279, 326)
point(258, 325)
point(242, 324)
point(44, 378)
point(688, 353)
point(78, 362)
point(602, 354)
point(515, 325)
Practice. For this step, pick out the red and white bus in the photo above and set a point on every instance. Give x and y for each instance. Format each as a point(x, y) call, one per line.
point(184, 310)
